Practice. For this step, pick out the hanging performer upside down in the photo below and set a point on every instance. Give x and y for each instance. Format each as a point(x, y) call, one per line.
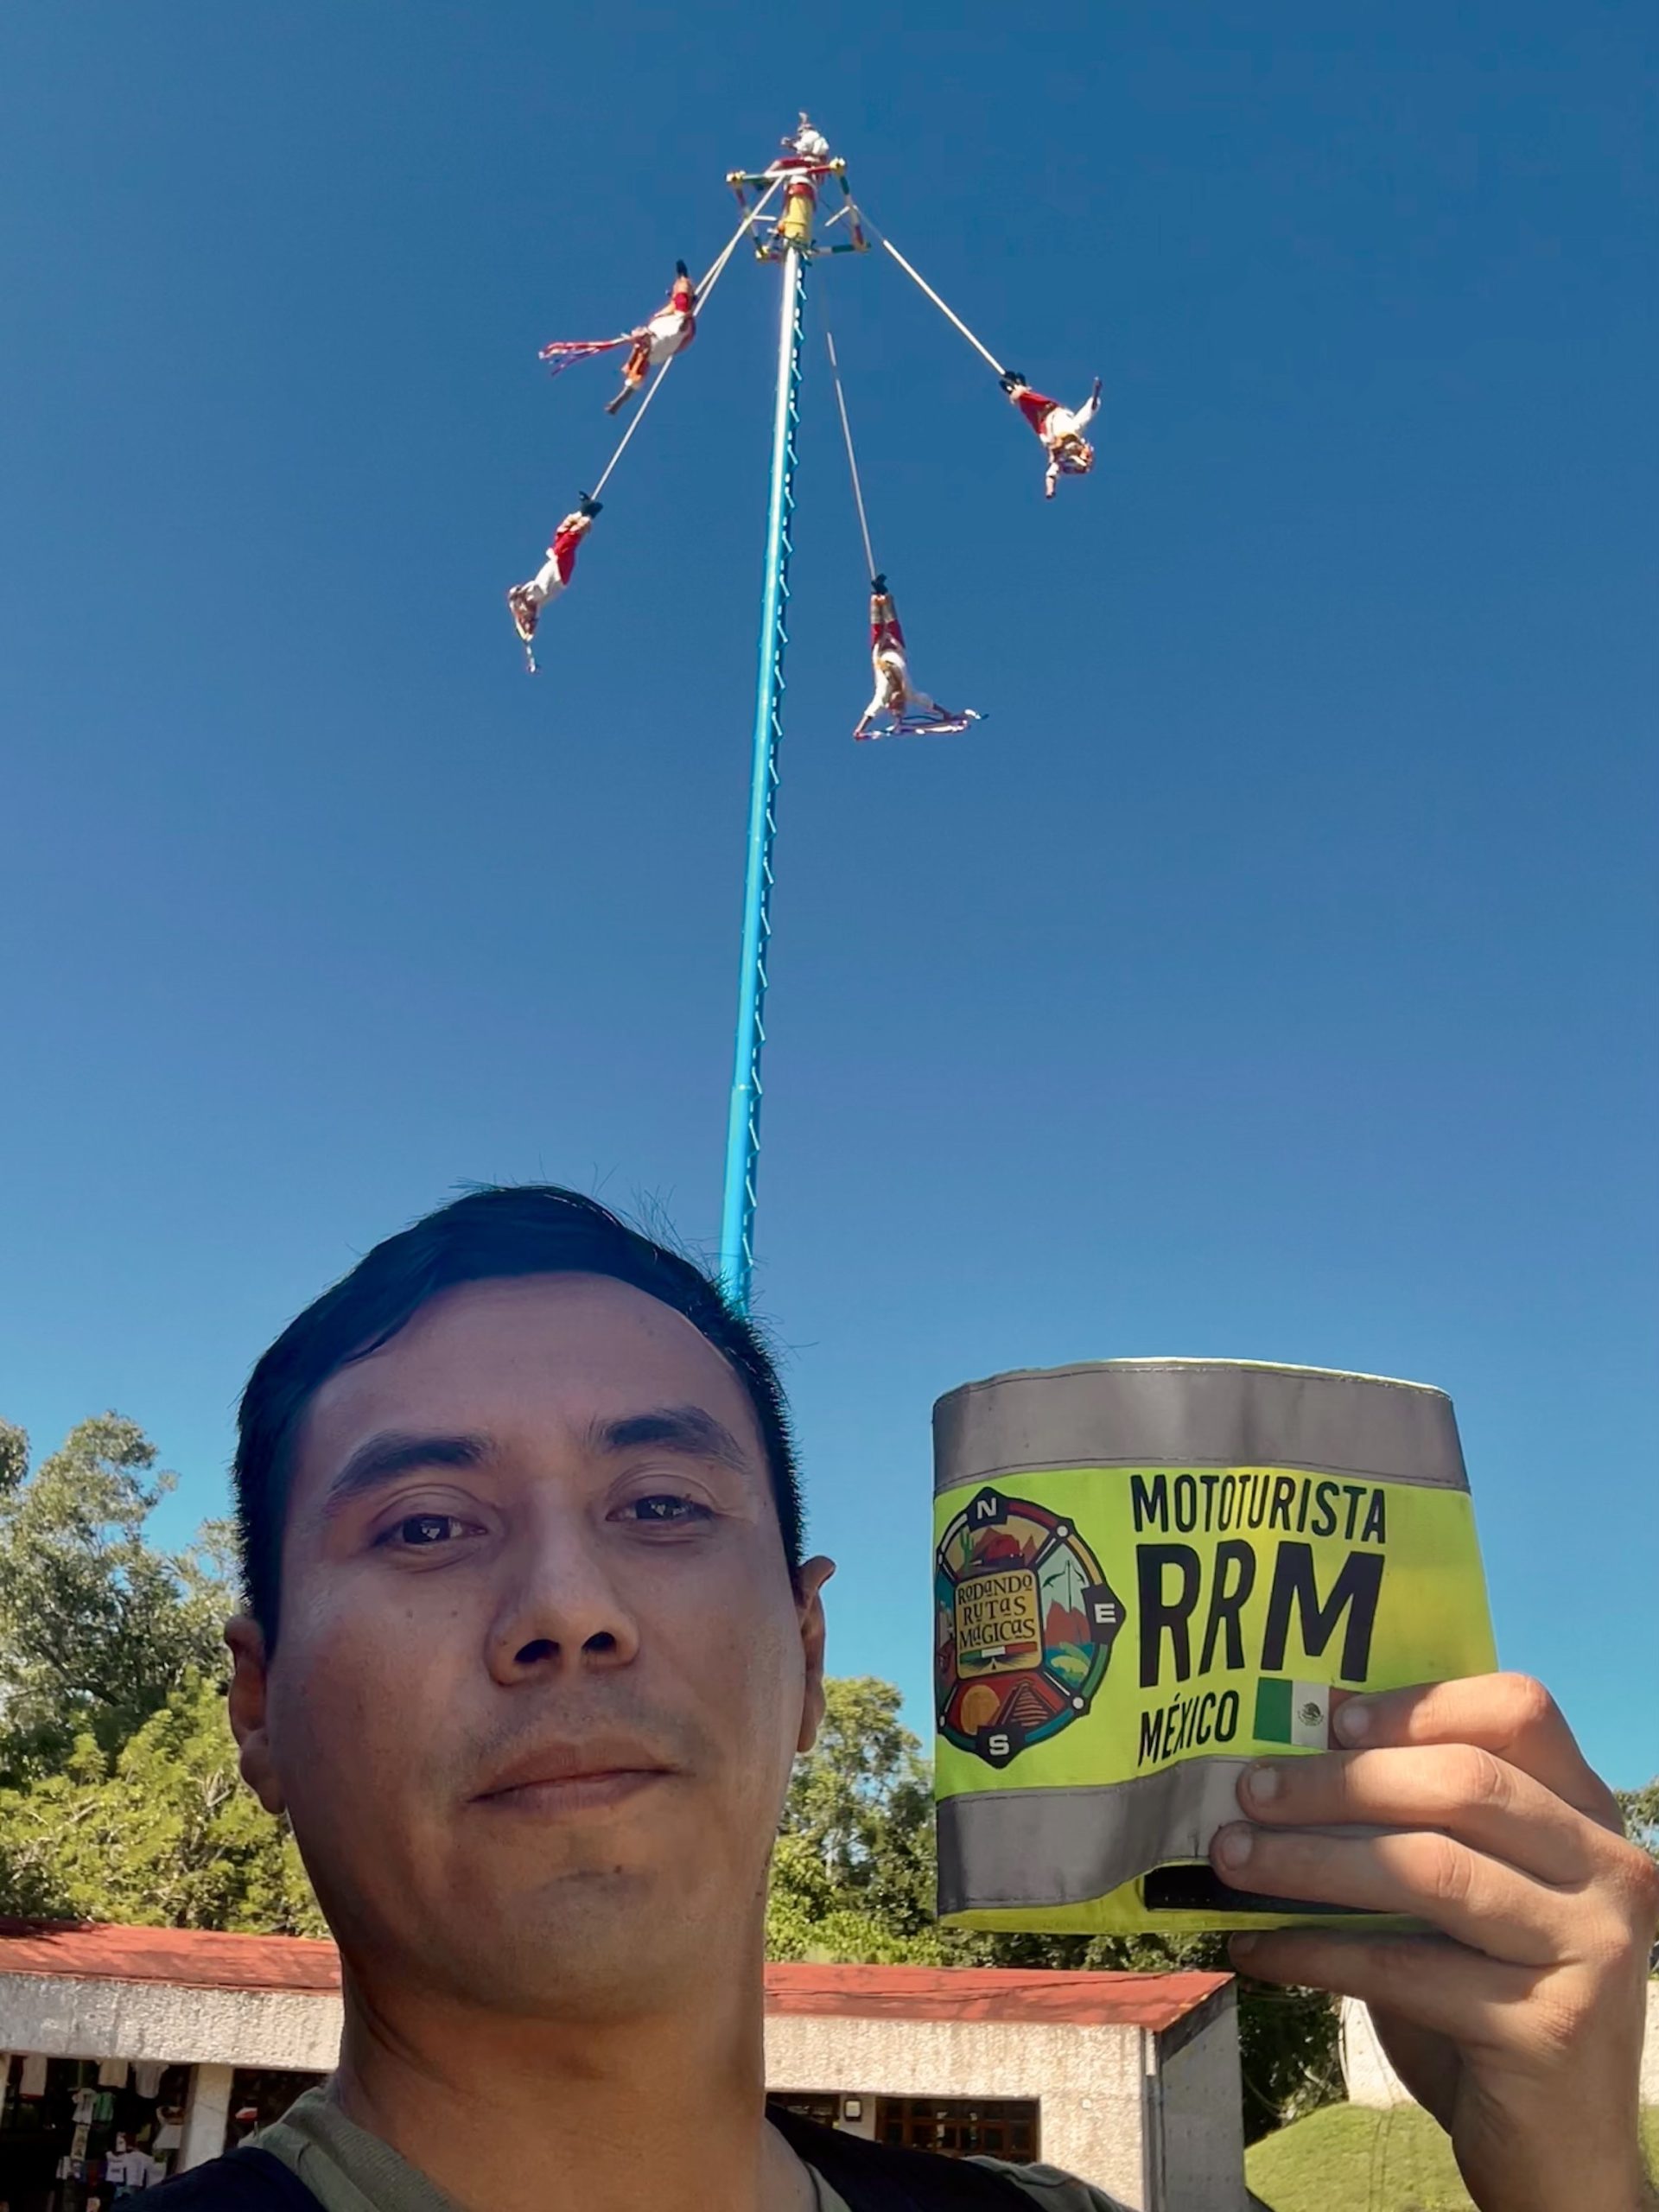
point(896, 696)
point(1060, 429)
point(669, 331)
point(525, 602)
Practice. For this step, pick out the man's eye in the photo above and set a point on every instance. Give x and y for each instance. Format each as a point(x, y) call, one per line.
point(665, 1510)
point(420, 1531)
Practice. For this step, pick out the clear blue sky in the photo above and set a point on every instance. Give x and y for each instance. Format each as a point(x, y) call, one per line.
point(1272, 975)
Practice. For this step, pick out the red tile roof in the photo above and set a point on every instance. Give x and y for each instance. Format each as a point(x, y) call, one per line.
point(202, 1958)
point(195, 1958)
point(1142, 2001)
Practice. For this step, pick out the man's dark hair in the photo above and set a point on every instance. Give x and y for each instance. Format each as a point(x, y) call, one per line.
point(488, 1236)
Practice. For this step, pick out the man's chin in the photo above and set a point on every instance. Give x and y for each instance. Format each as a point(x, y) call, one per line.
point(590, 1942)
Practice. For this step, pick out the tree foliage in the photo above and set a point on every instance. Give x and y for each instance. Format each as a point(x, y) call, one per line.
point(1641, 1811)
point(119, 1793)
point(852, 1870)
point(167, 1837)
point(99, 1626)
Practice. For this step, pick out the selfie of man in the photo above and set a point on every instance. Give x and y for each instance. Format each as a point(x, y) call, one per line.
point(531, 1644)
point(562, 1728)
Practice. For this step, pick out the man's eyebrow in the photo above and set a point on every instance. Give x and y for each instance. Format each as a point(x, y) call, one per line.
point(687, 1430)
point(382, 1459)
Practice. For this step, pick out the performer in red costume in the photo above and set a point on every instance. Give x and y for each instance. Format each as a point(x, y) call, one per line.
point(1060, 429)
point(525, 602)
point(669, 331)
point(896, 696)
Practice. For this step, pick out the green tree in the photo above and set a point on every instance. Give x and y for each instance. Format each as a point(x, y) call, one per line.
point(168, 1838)
point(97, 1624)
point(853, 1872)
point(1641, 1811)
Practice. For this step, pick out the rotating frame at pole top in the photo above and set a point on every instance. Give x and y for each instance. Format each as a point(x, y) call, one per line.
point(803, 169)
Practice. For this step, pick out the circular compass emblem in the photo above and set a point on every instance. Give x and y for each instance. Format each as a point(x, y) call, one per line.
point(1024, 1622)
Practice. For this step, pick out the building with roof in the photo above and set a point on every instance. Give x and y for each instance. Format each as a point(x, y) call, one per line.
point(184, 2041)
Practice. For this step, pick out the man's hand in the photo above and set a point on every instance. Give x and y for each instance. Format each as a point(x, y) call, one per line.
point(1519, 2025)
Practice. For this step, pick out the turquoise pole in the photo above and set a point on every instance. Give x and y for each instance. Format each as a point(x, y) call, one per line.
point(743, 1124)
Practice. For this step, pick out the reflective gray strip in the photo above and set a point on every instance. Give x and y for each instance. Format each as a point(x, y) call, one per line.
point(1196, 1413)
point(1003, 1848)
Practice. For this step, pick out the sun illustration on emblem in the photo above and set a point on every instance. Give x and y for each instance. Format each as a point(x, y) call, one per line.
point(1024, 1622)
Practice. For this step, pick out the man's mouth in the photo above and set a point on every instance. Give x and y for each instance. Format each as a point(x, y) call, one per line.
point(575, 1793)
point(562, 1778)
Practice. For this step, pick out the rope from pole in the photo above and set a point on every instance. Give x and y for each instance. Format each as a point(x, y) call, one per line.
point(852, 458)
point(949, 313)
point(704, 292)
point(639, 418)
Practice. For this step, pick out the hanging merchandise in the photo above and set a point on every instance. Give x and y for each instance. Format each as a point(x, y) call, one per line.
point(33, 2081)
point(128, 2168)
point(147, 2078)
point(1149, 1573)
point(112, 2073)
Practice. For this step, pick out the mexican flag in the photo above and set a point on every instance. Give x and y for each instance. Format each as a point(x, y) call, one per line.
point(1298, 1713)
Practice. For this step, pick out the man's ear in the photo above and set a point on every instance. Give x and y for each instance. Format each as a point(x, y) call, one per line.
point(808, 1605)
point(249, 1685)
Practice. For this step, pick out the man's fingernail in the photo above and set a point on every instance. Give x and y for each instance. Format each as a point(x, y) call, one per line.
point(1352, 1719)
point(1233, 1846)
point(1262, 1784)
point(1242, 1948)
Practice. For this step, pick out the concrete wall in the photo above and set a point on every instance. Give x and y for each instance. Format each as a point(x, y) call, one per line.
point(1366, 2072)
point(1204, 2123)
point(1372, 2080)
point(1087, 2080)
point(208, 2115)
point(176, 2026)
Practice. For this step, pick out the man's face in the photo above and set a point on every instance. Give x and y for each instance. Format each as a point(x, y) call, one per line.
point(541, 1672)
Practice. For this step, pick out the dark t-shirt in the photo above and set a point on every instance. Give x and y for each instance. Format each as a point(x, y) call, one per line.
point(315, 2156)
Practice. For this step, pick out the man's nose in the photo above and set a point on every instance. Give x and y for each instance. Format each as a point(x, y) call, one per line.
point(562, 1608)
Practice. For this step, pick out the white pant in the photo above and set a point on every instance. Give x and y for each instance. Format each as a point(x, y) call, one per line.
point(1069, 422)
point(547, 583)
point(910, 699)
point(667, 332)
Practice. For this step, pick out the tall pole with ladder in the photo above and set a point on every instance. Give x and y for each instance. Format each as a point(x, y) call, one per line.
point(792, 243)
